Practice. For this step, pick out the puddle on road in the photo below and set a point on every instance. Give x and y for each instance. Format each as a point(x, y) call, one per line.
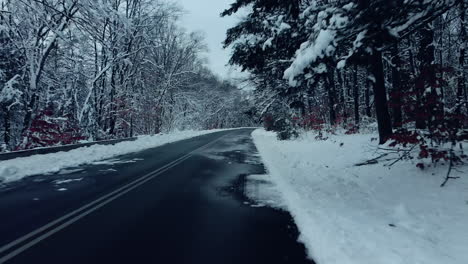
point(247, 183)
point(261, 191)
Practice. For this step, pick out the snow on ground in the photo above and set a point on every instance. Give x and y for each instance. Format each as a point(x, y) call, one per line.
point(16, 169)
point(369, 214)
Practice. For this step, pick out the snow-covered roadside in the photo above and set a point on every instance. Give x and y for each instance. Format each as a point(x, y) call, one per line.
point(368, 214)
point(16, 169)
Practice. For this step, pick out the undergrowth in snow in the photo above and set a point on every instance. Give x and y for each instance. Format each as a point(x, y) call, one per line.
point(367, 214)
point(16, 169)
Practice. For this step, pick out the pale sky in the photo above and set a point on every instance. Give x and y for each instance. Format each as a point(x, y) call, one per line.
point(203, 15)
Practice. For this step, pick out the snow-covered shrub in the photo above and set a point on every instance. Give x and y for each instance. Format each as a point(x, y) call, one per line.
point(430, 148)
point(268, 122)
point(48, 130)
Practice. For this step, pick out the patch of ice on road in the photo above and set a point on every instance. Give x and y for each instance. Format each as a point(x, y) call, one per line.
point(115, 161)
point(257, 205)
point(107, 162)
point(69, 171)
point(39, 180)
point(58, 182)
point(254, 159)
point(263, 192)
point(16, 169)
point(62, 189)
point(108, 170)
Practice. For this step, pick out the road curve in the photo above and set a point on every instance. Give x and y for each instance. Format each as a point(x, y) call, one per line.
point(179, 203)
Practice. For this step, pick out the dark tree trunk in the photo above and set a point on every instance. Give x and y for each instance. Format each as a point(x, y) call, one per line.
point(414, 115)
point(113, 108)
point(356, 97)
point(367, 98)
point(380, 96)
point(426, 59)
point(396, 94)
point(131, 125)
point(30, 109)
point(95, 94)
point(330, 83)
point(342, 94)
point(461, 88)
point(114, 71)
point(7, 126)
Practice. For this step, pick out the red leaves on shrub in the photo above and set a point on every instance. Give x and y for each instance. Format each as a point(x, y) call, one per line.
point(352, 129)
point(405, 137)
point(435, 153)
point(424, 153)
point(47, 130)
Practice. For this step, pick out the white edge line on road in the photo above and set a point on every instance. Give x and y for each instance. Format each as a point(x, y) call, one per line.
point(114, 195)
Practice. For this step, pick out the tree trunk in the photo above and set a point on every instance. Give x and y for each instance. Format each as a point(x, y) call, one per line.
point(356, 97)
point(380, 96)
point(397, 91)
point(426, 57)
point(342, 95)
point(461, 88)
point(331, 96)
point(30, 108)
point(367, 98)
point(7, 126)
point(113, 108)
point(414, 115)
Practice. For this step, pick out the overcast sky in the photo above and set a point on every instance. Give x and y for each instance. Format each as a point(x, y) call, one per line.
point(203, 15)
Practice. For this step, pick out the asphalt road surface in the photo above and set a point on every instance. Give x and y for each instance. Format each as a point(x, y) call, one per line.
point(179, 203)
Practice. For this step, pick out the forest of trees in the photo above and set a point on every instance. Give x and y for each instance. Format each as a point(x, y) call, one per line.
point(73, 70)
point(401, 64)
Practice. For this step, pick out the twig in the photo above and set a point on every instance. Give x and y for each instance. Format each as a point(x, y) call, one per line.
point(395, 150)
point(371, 161)
point(405, 154)
point(448, 177)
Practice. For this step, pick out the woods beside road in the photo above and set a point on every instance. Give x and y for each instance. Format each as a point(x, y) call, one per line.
point(363, 104)
point(94, 70)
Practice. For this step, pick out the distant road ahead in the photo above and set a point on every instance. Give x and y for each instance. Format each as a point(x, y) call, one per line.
point(178, 203)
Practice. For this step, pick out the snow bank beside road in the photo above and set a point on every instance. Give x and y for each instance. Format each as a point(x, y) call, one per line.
point(16, 169)
point(369, 214)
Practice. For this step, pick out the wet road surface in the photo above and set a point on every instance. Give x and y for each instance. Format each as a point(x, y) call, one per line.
point(179, 203)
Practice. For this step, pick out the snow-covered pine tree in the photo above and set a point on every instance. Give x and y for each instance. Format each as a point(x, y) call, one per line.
point(332, 35)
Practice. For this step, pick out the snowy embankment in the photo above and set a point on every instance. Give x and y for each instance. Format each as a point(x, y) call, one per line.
point(368, 214)
point(16, 169)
